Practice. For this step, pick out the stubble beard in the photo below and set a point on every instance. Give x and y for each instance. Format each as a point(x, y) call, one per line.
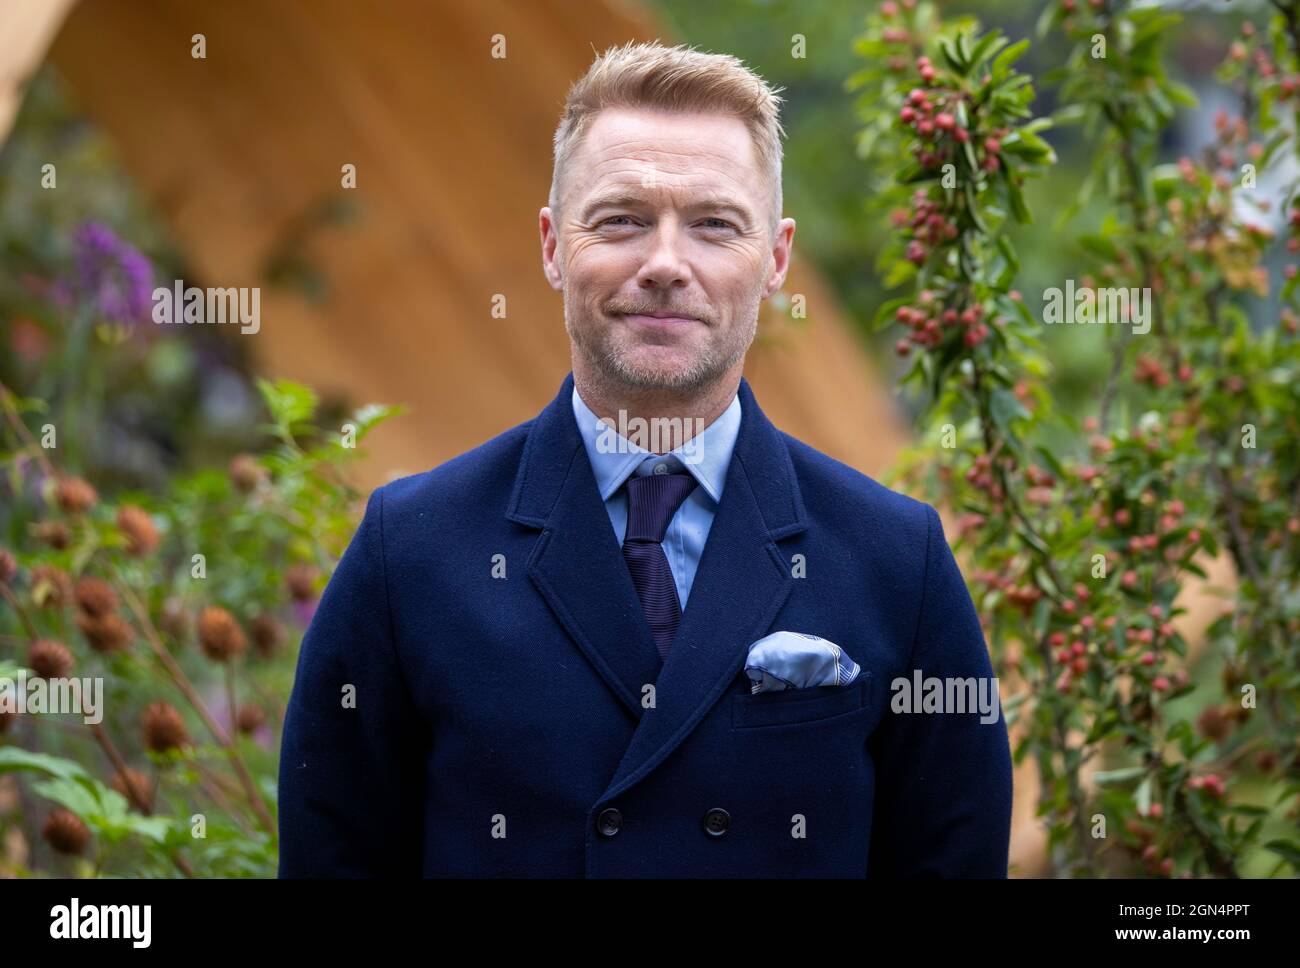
point(595, 342)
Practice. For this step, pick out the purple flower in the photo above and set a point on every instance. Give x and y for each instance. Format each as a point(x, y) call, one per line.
point(112, 275)
point(303, 611)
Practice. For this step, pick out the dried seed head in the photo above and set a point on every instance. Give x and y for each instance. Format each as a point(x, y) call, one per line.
point(246, 473)
point(8, 567)
point(1231, 676)
point(1213, 723)
point(95, 596)
point(301, 578)
point(141, 535)
point(164, 729)
point(267, 635)
point(105, 633)
point(136, 787)
point(49, 659)
point(65, 832)
point(54, 533)
point(220, 635)
point(75, 496)
point(250, 718)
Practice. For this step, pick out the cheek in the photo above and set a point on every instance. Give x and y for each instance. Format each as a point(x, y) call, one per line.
point(593, 263)
point(731, 276)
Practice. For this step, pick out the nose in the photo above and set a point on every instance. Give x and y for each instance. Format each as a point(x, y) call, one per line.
point(665, 265)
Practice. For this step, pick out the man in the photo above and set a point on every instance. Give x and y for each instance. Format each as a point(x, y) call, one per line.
point(538, 658)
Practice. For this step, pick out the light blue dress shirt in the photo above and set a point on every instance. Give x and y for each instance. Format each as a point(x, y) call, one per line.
point(614, 459)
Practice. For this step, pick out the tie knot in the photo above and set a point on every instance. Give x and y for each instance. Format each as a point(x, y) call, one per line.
point(652, 500)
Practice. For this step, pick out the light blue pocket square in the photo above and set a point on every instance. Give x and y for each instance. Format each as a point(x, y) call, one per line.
point(797, 660)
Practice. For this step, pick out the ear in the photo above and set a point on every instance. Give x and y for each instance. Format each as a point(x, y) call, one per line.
point(782, 243)
point(546, 224)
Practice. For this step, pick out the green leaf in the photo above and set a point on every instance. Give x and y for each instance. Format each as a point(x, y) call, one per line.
point(373, 414)
point(98, 807)
point(1008, 274)
point(9, 670)
point(1180, 94)
point(1288, 850)
point(1142, 797)
point(1116, 777)
point(289, 403)
point(13, 759)
point(1018, 206)
point(987, 44)
point(1046, 19)
point(1051, 460)
point(1004, 407)
point(157, 829)
point(950, 55)
point(885, 314)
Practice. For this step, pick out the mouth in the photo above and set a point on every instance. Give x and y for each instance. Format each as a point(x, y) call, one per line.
point(658, 320)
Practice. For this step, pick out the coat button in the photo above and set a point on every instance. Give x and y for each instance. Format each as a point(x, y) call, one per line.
point(716, 822)
point(609, 822)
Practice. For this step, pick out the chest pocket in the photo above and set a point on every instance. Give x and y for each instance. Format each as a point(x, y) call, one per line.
point(792, 706)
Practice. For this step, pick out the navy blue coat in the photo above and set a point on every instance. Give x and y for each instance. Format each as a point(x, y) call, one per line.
point(498, 727)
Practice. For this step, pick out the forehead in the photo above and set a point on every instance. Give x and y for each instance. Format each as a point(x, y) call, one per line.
point(625, 145)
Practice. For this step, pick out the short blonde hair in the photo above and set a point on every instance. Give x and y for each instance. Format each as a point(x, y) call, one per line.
point(679, 79)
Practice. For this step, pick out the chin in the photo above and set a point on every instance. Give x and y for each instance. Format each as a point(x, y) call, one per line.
point(658, 370)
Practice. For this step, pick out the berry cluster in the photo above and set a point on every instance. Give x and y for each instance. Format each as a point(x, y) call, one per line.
point(929, 322)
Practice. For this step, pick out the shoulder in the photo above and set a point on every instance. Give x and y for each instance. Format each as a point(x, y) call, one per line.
point(900, 538)
point(824, 474)
point(474, 478)
point(837, 495)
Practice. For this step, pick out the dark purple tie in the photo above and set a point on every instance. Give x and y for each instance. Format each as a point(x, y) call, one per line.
point(652, 501)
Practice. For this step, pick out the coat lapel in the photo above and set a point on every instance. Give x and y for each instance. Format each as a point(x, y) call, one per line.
point(577, 565)
point(742, 581)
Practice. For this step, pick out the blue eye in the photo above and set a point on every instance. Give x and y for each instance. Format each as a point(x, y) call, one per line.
point(722, 223)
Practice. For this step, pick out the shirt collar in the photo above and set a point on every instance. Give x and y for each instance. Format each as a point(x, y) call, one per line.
point(614, 458)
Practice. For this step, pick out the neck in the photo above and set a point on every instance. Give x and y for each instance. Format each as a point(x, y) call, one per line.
point(695, 408)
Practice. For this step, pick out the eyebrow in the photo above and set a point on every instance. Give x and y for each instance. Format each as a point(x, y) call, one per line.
point(628, 200)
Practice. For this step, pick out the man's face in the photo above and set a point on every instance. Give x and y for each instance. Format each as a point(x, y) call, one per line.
point(663, 247)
